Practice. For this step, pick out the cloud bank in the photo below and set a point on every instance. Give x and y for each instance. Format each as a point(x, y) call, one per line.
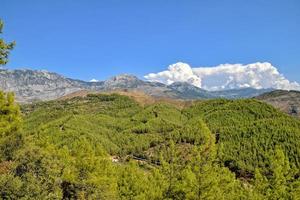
point(225, 76)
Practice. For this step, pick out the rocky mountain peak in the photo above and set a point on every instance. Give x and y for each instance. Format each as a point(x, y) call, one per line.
point(123, 77)
point(123, 81)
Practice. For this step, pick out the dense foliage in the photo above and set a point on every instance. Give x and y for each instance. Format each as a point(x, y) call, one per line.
point(248, 132)
point(110, 147)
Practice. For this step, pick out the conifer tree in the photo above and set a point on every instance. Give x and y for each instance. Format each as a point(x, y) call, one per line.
point(10, 125)
point(132, 183)
point(201, 178)
point(171, 170)
point(4, 47)
point(261, 186)
point(281, 174)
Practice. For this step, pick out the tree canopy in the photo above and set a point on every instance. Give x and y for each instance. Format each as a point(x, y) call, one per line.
point(110, 147)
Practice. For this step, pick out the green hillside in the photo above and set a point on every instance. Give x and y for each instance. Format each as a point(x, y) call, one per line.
point(110, 147)
point(248, 132)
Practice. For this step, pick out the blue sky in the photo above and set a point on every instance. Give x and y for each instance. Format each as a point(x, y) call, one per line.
point(88, 39)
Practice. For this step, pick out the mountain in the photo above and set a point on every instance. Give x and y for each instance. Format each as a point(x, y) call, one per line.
point(188, 91)
point(240, 93)
point(36, 85)
point(286, 101)
point(123, 81)
point(30, 85)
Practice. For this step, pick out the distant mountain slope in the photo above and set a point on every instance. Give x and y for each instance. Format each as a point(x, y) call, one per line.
point(34, 85)
point(188, 91)
point(240, 93)
point(286, 101)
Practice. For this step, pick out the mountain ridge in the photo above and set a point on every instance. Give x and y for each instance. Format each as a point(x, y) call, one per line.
point(40, 85)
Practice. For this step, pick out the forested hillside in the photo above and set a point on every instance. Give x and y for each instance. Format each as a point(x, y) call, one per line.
point(110, 147)
point(248, 132)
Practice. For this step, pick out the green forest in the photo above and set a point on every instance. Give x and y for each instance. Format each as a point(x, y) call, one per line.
point(110, 147)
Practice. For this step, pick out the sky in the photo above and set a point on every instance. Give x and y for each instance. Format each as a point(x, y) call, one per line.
point(92, 39)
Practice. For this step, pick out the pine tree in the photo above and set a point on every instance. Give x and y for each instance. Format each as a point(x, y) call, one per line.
point(171, 170)
point(132, 183)
point(281, 174)
point(261, 186)
point(10, 125)
point(4, 47)
point(157, 185)
point(202, 178)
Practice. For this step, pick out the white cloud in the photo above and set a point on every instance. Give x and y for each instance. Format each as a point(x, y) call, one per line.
point(226, 76)
point(180, 72)
point(94, 80)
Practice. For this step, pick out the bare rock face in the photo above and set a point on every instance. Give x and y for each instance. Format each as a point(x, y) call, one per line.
point(30, 85)
point(123, 81)
point(36, 85)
